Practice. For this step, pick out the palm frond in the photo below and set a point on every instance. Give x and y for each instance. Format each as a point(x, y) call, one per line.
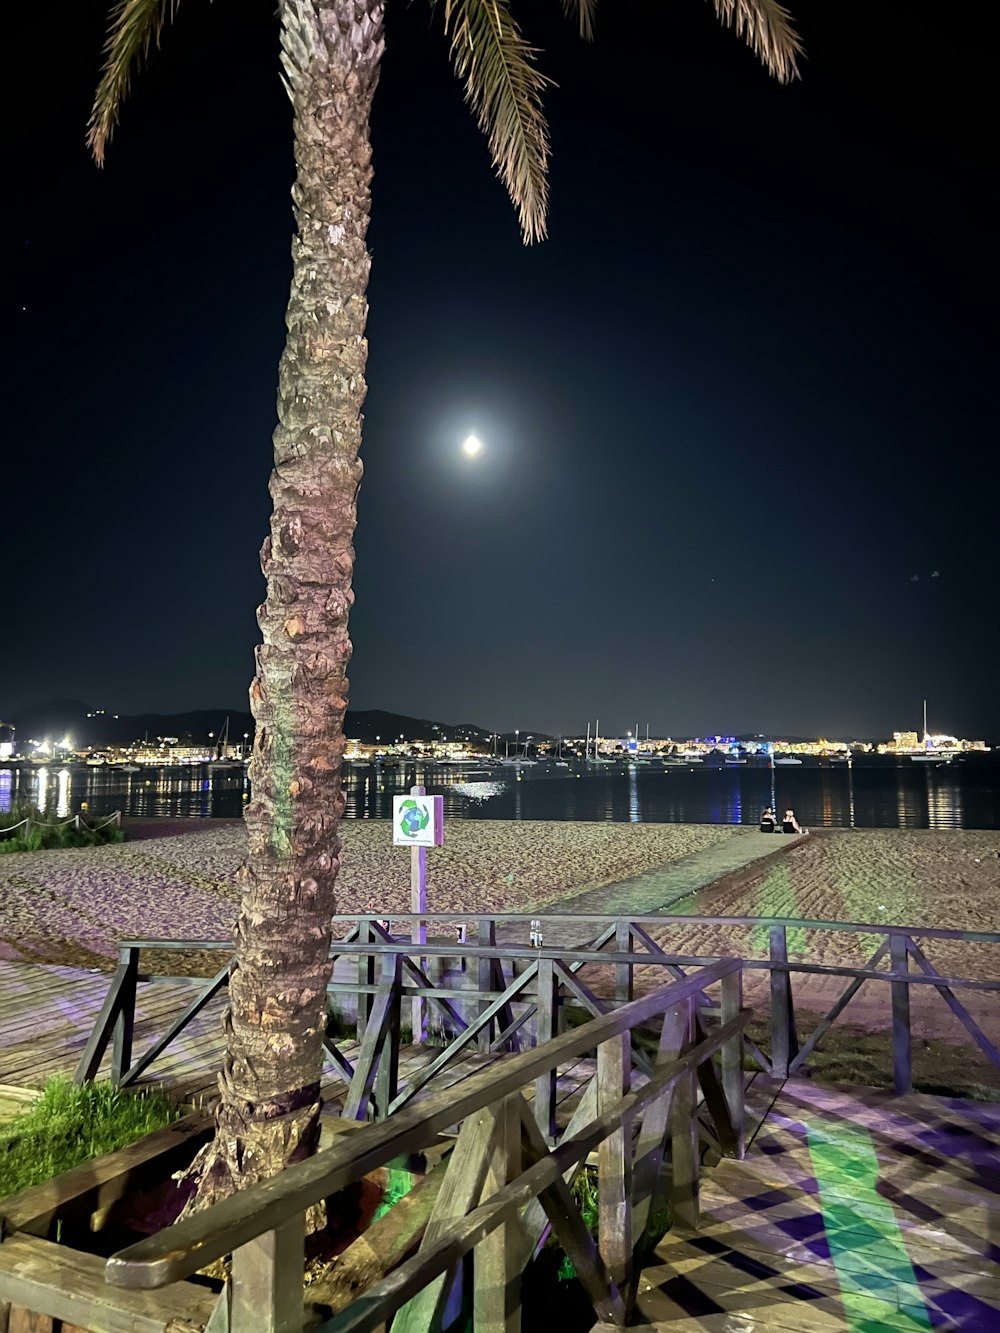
point(132, 25)
point(504, 89)
point(767, 28)
point(585, 10)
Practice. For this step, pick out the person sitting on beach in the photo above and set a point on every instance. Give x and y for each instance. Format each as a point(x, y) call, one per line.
point(790, 824)
point(768, 822)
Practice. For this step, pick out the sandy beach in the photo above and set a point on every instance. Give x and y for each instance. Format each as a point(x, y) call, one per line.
point(941, 880)
point(73, 906)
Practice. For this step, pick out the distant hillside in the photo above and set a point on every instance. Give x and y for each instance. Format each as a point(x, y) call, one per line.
point(72, 717)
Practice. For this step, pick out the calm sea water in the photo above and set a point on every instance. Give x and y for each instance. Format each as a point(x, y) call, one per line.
point(868, 795)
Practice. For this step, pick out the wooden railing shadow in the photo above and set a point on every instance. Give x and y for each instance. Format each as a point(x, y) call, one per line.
point(507, 1180)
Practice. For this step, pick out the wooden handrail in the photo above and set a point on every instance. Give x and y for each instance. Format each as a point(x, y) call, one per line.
point(511, 918)
point(181, 1249)
point(612, 947)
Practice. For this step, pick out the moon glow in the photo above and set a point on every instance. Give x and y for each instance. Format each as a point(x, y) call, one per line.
point(472, 445)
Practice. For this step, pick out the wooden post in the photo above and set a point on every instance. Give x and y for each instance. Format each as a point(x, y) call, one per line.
point(121, 1048)
point(464, 1176)
point(387, 1074)
point(546, 1027)
point(732, 1058)
point(684, 1144)
point(496, 1307)
point(784, 1040)
point(614, 1161)
point(486, 936)
point(366, 977)
point(418, 934)
point(902, 1061)
point(624, 985)
point(650, 1189)
point(267, 1281)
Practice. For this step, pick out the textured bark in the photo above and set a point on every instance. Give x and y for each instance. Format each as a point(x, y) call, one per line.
point(268, 1115)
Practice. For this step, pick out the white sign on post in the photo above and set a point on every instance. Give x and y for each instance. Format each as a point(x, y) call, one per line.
point(418, 821)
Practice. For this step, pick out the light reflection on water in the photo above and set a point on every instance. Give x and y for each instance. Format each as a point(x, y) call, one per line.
point(62, 794)
point(865, 795)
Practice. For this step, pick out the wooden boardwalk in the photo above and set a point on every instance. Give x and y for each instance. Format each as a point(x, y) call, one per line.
point(47, 1013)
point(853, 1210)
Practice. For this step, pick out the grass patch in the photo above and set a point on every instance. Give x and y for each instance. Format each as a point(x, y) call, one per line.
point(49, 830)
point(71, 1124)
point(851, 1055)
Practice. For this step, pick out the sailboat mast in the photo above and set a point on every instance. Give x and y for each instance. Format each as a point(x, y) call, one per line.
point(586, 749)
point(925, 721)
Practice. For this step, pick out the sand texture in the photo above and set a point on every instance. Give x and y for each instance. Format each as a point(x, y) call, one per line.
point(73, 906)
point(943, 880)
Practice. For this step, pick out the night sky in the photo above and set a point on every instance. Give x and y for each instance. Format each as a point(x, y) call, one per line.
point(740, 469)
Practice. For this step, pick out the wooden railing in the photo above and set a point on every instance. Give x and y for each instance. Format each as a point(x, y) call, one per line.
point(503, 995)
point(507, 1181)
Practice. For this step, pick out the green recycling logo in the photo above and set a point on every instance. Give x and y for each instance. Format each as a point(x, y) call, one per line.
point(414, 819)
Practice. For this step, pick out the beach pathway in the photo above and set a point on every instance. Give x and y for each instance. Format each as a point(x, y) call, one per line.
point(667, 889)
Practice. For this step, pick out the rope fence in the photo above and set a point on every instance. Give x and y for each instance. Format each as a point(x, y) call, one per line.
point(78, 822)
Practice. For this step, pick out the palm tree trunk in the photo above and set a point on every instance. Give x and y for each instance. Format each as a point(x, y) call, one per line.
point(268, 1115)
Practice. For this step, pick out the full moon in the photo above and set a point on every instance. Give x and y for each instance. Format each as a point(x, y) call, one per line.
point(472, 445)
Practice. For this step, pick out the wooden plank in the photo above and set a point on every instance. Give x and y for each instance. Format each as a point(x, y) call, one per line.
point(121, 1041)
point(463, 1039)
point(459, 1192)
point(387, 1074)
point(957, 1008)
point(387, 1241)
point(377, 1028)
point(156, 1260)
point(902, 1054)
point(614, 1161)
point(100, 1035)
point(624, 972)
point(715, 1101)
point(732, 1061)
point(366, 977)
point(183, 1019)
point(784, 1043)
point(535, 1218)
point(829, 1018)
point(494, 1270)
point(101, 1180)
point(649, 1190)
point(684, 1162)
point(571, 1230)
point(410, 1277)
point(69, 1285)
point(547, 1019)
point(266, 1283)
point(486, 934)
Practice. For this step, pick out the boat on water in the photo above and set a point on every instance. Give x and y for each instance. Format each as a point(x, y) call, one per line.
point(936, 749)
point(221, 761)
point(787, 761)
